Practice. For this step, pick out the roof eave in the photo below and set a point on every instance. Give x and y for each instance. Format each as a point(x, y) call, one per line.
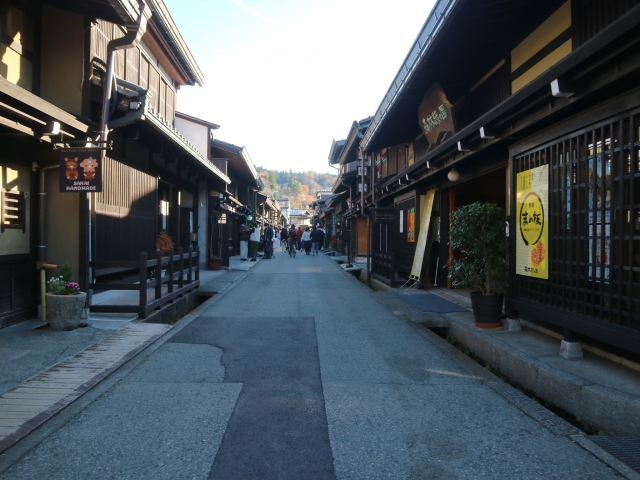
point(424, 42)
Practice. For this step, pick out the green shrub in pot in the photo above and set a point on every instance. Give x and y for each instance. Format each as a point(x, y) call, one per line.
point(478, 235)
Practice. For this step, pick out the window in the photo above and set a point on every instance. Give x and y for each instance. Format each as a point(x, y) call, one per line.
point(14, 212)
point(16, 45)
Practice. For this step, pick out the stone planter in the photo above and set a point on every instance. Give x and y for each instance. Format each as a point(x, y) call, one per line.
point(64, 312)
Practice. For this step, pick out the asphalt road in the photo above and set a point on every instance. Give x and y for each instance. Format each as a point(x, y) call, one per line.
point(299, 372)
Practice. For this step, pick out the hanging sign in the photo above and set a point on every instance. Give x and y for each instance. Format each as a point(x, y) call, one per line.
point(532, 223)
point(426, 206)
point(411, 225)
point(434, 115)
point(80, 170)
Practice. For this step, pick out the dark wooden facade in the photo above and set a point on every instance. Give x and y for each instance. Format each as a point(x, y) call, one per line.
point(52, 92)
point(568, 100)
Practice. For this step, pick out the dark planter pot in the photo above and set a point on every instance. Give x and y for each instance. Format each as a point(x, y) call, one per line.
point(214, 263)
point(487, 309)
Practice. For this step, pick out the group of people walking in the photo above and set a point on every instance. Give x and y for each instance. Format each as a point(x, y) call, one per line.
point(295, 239)
point(292, 239)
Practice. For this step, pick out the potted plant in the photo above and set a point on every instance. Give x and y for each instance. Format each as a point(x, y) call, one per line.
point(214, 257)
point(165, 244)
point(478, 234)
point(64, 301)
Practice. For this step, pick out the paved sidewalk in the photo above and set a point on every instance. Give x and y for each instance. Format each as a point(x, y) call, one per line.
point(397, 401)
point(587, 387)
point(42, 371)
point(24, 408)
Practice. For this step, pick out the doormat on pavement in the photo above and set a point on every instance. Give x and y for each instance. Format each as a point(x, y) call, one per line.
point(428, 302)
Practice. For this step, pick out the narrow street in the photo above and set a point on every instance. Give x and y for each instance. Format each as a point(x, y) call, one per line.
point(298, 371)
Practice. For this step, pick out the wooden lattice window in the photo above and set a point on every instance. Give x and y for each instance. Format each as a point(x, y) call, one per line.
point(594, 232)
point(13, 210)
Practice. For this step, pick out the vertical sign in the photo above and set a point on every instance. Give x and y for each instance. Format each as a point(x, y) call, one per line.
point(411, 225)
point(80, 170)
point(532, 223)
point(426, 206)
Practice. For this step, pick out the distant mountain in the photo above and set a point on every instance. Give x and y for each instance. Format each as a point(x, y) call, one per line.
point(299, 187)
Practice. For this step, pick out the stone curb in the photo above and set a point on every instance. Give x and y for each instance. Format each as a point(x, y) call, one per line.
point(604, 407)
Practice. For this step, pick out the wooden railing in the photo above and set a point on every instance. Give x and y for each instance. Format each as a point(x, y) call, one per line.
point(383, 267)
point(176, 266)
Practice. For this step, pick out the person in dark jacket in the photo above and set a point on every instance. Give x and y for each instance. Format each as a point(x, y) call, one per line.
point(268, 242)
point(316, 239)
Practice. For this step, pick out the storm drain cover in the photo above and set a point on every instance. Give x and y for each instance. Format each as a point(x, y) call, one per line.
point(625, 449)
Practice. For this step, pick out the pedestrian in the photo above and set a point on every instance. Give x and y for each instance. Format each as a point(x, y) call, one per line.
point(306, 240)
point(299, 232)
point(323, 235)
point(293, 234)
point(243, 236)
point(268, 242)
point(316, 238)
point(284, 234)
point(254, 241)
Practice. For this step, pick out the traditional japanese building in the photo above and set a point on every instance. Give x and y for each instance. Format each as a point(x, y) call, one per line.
point(102, 74)
point(352, 189)
point(502, 101)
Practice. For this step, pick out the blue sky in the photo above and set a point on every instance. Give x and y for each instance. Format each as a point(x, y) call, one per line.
point(284, 78)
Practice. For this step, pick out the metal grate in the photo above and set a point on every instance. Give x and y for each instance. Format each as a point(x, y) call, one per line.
point(625, 449)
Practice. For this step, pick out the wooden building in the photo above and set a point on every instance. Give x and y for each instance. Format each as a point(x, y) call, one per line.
point(352, 189)
point(239, 200)
point(52, 88)
point(495, 93)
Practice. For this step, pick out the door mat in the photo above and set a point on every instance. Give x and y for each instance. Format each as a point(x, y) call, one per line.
point(429, 302)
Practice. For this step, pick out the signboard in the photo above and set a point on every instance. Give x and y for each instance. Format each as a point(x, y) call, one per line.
point(411, 225)
point(532, 223)
point(434, 115)
point(80, 170)
point(426, 205)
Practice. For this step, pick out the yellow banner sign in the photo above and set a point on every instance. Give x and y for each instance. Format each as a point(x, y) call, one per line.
point(532, 223)
point(426, 205)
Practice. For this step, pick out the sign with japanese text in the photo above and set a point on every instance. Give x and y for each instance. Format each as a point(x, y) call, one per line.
point(434, 115)
point(80, 170)
point(532, 223)
point(411, 225)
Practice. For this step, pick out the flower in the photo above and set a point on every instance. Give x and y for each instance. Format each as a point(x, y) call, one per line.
point(58, 286)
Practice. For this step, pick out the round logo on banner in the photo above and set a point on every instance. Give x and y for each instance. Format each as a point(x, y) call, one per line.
point(531, 219)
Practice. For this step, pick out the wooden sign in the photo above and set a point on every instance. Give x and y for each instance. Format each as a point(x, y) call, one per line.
point(80, 170)
point(434, 115)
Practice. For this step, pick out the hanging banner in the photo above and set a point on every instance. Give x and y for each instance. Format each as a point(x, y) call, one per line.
point(80, 170)
point(426, 206)
point(532, 223)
